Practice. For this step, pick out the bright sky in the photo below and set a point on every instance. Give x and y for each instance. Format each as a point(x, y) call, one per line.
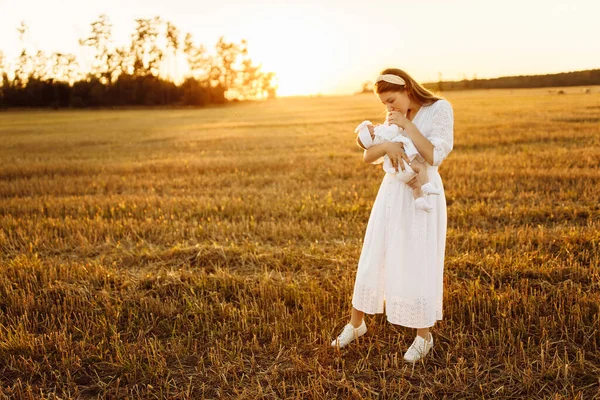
point(332, 46)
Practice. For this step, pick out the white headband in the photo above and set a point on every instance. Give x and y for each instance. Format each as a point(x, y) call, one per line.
point(364, 134)
point(391, 78)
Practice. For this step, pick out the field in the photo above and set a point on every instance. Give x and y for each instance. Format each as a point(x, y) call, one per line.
point(211, 253)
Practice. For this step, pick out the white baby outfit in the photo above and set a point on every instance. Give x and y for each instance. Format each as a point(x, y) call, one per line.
point(393, 133)
point(402, 258)
point(389, 133)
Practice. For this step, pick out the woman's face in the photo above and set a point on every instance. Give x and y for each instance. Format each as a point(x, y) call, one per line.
point(395, 101)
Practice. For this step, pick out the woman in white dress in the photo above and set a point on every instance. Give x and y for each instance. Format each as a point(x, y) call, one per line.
point(402, 258)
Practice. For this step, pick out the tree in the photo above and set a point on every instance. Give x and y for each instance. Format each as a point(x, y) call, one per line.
point(64, 67)
point(147, 53)
point(3, 78)
point(267, 86)
point(173, 44)
point(22, 67)
point(197, 58)
point(252, 83)
point(122, 62)
point(233, 70)
point(100, 41)
point(223, 69)
point(137, 74)
point(2, 71)
point(40, 66)
point(194, 94)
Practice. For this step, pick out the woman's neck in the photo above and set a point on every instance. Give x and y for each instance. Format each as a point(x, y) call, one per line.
point(412, 111)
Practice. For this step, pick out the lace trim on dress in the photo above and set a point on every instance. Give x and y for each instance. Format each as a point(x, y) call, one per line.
point(368, 300)
point(412, 313)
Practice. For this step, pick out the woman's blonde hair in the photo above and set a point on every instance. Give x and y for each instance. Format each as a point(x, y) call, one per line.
point(414, 90)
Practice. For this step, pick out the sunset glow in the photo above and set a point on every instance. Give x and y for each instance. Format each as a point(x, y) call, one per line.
point(331, 47)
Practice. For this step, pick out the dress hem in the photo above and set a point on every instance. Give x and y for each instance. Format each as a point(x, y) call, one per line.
point(439, 317)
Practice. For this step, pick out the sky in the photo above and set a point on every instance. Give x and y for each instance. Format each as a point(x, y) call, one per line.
point(333, 46)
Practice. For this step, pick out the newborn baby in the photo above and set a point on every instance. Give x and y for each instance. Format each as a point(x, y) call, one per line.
point(369, 135)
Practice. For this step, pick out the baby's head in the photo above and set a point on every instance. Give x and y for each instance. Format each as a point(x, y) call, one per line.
point(366, 134)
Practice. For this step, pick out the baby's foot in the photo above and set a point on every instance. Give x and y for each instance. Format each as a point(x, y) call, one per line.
point(428, 189)
point(422, 204)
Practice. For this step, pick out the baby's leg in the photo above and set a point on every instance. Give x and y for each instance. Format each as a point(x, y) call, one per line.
point(417, 193)
point(420, 201)
point(423, 177)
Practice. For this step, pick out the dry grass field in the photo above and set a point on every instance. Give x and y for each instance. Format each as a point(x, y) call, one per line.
point(212, 253)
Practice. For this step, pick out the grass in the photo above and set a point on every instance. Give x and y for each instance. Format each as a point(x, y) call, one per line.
point(212, 253)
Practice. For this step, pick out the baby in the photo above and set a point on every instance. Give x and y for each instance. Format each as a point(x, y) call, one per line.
point(369, 135)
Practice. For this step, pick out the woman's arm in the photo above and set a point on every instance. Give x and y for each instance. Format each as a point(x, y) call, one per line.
point(394, 150)
point(374, 152)
point(440, 141)
point(421, 143)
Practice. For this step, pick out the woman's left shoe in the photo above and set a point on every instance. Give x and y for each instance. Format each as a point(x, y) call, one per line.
point(418, 349)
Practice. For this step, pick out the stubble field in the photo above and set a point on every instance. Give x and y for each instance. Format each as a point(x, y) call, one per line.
point(212, 253)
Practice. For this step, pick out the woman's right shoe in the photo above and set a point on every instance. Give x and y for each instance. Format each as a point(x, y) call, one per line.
point(349, 333)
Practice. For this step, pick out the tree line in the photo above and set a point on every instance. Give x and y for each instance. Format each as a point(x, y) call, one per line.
point(142, 73)
point(576, 78)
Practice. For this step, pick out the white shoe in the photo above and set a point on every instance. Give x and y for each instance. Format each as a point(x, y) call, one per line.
point(418, 349)
point(428, 189)
point(422, 204)
point(349, 333)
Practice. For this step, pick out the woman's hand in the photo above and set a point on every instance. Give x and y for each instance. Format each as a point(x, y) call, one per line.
point(395, 151)
point(396, 117)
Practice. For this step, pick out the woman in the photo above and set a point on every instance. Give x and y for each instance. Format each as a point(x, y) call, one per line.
point(402, 259)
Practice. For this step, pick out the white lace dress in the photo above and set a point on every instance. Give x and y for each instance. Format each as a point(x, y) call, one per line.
point(402, 258)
